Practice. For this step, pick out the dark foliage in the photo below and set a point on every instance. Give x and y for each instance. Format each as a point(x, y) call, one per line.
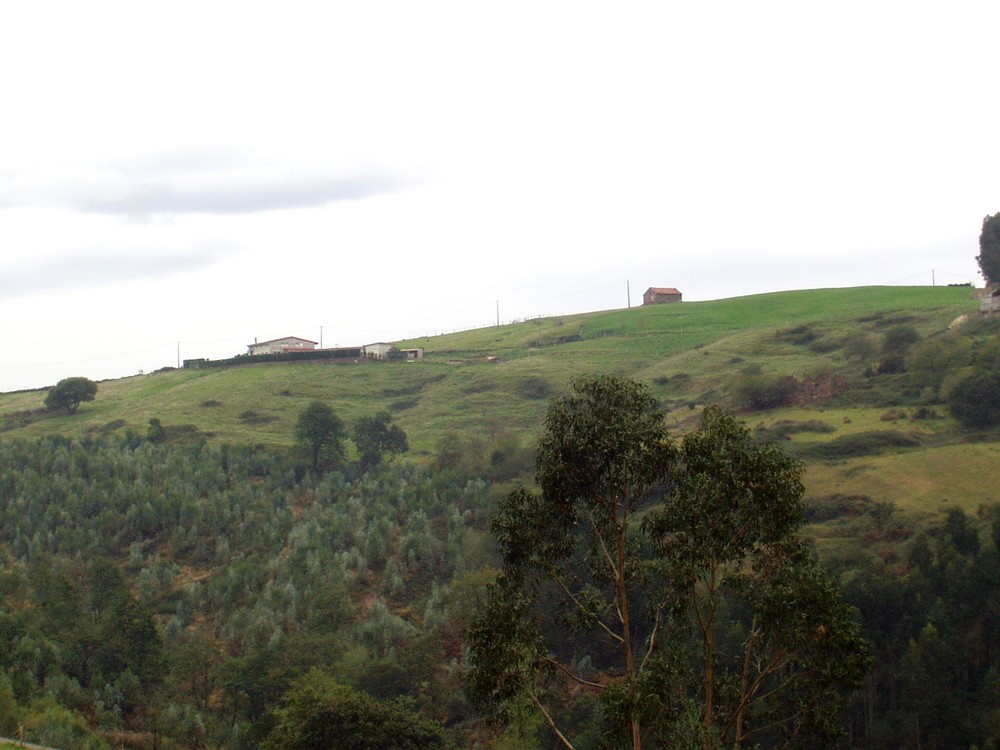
point(319, 714)
point(69, 393)
point(870, 443)
point(975, 401)
point(989, 249)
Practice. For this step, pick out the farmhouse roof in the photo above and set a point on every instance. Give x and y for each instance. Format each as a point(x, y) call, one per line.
point(283, 338)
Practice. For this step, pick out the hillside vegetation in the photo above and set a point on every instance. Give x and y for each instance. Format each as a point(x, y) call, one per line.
point(199, 585)
point(689, 354)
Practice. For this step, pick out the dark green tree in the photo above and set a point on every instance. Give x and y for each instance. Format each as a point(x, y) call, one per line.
point(69, 393)
point(989, 249)
point(156, 433)
point(715, 570)
point(376, 437)
point(320, 714)
point(320, 433)
point(604, 456)
point(975, 401)
point(778, 647)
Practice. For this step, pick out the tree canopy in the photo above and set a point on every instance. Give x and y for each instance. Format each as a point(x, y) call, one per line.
point(69, 393)
point(320, 433)
point(649, 553)
point(377, 436)
point(989, 249)
point(320, 714)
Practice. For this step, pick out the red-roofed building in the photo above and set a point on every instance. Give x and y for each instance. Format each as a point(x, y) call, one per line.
point(657, 295)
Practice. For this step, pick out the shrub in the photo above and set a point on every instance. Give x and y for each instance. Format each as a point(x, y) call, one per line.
point(931, 362)
point(783, 429)
point(859, 346)
point(828, 507)
point(758, 392)
point(860, 444)
point(533, 388)
point(899, 339)
point(799, 335)
point(892, 364)
point(975, 401)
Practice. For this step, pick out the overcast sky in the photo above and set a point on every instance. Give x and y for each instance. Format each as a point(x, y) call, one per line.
point(187, 177)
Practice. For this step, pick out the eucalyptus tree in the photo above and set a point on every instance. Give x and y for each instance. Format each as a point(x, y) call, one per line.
point(604, 456)
point(777, 646)
point(676, 576)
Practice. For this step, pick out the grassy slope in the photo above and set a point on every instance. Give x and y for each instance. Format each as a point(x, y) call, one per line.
point(687, 352)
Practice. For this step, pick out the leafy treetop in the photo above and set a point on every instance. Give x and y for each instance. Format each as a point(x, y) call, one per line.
point(69, 393)
point(377, 436)
point(709, 624)
point(320, 433)
point(989, 249)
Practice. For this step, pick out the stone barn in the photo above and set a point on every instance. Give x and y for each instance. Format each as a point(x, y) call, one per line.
point(657, 295)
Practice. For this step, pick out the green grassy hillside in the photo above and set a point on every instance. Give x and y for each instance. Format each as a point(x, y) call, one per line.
point(689, 354)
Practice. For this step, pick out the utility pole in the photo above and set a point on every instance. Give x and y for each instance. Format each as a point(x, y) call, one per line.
point(178, 355)
point(628, 293)
point(321, 337)
point(498, 313)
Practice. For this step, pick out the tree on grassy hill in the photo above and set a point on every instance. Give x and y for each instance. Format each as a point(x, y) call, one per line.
point(320, 433)
point(989, 249)
point(706, 625)
point(376, 437)
point(69, 393)
point(975, 400)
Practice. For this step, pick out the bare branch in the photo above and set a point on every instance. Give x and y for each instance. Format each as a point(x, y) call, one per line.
point(548, 717)
point(572, 675)
point(579, 605)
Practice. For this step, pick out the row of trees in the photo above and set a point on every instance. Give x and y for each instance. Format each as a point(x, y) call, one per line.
point(320, 433)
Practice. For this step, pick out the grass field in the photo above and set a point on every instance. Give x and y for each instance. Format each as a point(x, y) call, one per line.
point(688, 353)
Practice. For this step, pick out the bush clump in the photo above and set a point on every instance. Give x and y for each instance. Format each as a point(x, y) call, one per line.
point(785, 428)
point(756, 392)
point(872, 443)
point(975, 401)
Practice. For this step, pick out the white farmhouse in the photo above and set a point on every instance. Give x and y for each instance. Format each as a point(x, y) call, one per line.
point(277, 346)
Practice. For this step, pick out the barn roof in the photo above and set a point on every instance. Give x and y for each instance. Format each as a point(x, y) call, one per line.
point(662, 290)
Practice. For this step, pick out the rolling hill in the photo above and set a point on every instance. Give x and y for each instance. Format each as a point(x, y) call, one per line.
point(501, 378)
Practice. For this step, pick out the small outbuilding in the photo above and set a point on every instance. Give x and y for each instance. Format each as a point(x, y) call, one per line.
point(378, 350)
point(657, 295)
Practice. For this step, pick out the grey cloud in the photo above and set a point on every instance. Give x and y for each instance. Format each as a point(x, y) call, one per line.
point(198, 182)
point(98, 270)
point(150, 198)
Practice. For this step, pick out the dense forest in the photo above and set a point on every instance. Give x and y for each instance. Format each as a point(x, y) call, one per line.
point(172, 596)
